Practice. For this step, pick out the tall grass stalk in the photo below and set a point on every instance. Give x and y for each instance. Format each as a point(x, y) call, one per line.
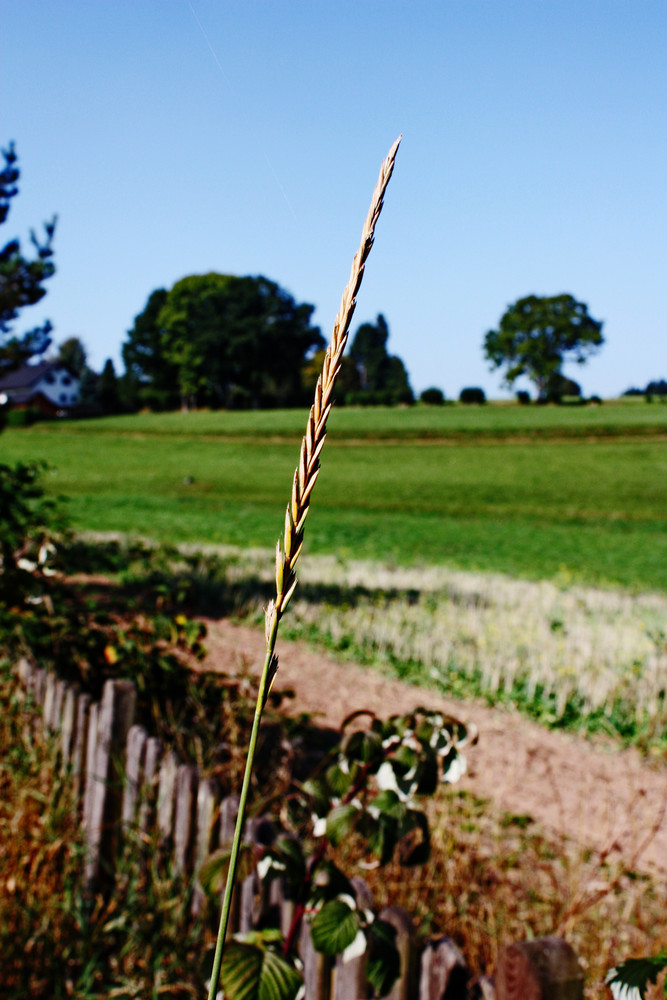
point(305, 477)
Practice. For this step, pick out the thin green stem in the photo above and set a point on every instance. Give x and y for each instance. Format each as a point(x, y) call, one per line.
point(240, 819)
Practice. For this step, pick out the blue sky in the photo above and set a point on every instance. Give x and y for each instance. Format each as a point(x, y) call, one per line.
point(184, 136)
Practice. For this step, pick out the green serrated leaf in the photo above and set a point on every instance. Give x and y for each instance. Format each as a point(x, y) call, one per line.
point(289, 852)
point(383, 965)
point(427, 783)
point(629, 980)
point(315, 790)
point(241, 971)
point(404, 760)
point(213, 873)
point(340, 822)
point(252, 971)
point(338, 781)
point(424, 731)
point(279, 979)
point(419, 854)
point(334, 928)
point(381, 833)
point(389, 803)
point(329, 884)
point(365, 747)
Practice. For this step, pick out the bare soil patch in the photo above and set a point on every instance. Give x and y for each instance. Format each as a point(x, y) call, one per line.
point(599, 795)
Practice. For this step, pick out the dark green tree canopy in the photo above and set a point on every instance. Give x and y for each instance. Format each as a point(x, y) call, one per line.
point(72, 354)
point(148, 372)
point(221, 340)
point(382, 376)
point(21, 278)
point(536, 336)
point(107, 388)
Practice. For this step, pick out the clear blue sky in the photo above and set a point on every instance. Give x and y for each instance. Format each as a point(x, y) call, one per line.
point(183, 136)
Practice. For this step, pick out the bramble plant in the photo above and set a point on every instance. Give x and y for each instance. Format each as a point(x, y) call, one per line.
point(305, 478)
point(367, 787)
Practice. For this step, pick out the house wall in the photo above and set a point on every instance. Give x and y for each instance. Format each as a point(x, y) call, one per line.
point(59, 387)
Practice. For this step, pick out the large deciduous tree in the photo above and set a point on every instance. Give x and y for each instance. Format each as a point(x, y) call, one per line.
point(537, 335)
point(221, 340)
point(21, 278)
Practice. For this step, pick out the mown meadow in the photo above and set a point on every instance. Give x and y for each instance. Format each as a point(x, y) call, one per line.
point(572, 493)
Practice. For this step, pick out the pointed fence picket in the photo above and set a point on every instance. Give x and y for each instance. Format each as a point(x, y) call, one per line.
point(124, 778)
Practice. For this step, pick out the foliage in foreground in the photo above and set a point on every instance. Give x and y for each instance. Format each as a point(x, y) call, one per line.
point(55, 940)
point(21, 279)
point(370, 789)
point(630, 979)
point(490, 879)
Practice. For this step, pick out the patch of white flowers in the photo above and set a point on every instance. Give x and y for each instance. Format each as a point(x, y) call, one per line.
point(597, 644)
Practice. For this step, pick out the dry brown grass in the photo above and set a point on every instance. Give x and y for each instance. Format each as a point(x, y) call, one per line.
point(494, 878)
point(41, 853)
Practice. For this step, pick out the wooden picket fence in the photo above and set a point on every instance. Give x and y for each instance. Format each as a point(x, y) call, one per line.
point(118, 769)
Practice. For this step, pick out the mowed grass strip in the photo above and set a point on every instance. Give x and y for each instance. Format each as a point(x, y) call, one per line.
point(622, 418)
point(592, 510)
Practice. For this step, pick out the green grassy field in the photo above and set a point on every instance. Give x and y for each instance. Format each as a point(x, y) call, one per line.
point(543, 492)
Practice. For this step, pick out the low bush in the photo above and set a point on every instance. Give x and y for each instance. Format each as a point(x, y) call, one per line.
point(432, 397)
point(472, 394)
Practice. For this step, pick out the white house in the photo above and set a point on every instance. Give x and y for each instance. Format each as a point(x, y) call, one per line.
point(48, 385)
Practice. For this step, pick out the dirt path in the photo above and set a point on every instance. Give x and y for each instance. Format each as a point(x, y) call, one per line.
point(599, 796)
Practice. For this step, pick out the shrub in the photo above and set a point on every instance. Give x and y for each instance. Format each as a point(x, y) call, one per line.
point(523, 397)
point(432, 397)
point(472, 395)
point(23, 418)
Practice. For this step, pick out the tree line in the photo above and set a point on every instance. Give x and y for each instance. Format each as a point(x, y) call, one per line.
point(223, 341)
point(243, 342)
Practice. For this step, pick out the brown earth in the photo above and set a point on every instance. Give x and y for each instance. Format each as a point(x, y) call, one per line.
point(599, 795)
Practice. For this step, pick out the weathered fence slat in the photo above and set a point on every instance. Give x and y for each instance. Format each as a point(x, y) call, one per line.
point(49, 700)
point(147, 792)
point(91, 747)
point(229, 809)
point(39, 686)
point(134, 764)
point(316, 968)
point(79, 749)
point(349, 973)
point(104, 812)
point(543, 969)
point(208, 818)
point(443, 971)
point(68, 730)
point(166, 796)
point(406, 986)
point(185, 824)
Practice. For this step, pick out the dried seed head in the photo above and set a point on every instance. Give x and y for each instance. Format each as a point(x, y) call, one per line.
point(313, 441)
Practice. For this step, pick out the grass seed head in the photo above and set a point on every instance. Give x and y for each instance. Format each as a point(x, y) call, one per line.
point(313, 440)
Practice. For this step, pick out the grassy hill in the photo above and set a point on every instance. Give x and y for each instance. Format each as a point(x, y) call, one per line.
point(543, 492)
